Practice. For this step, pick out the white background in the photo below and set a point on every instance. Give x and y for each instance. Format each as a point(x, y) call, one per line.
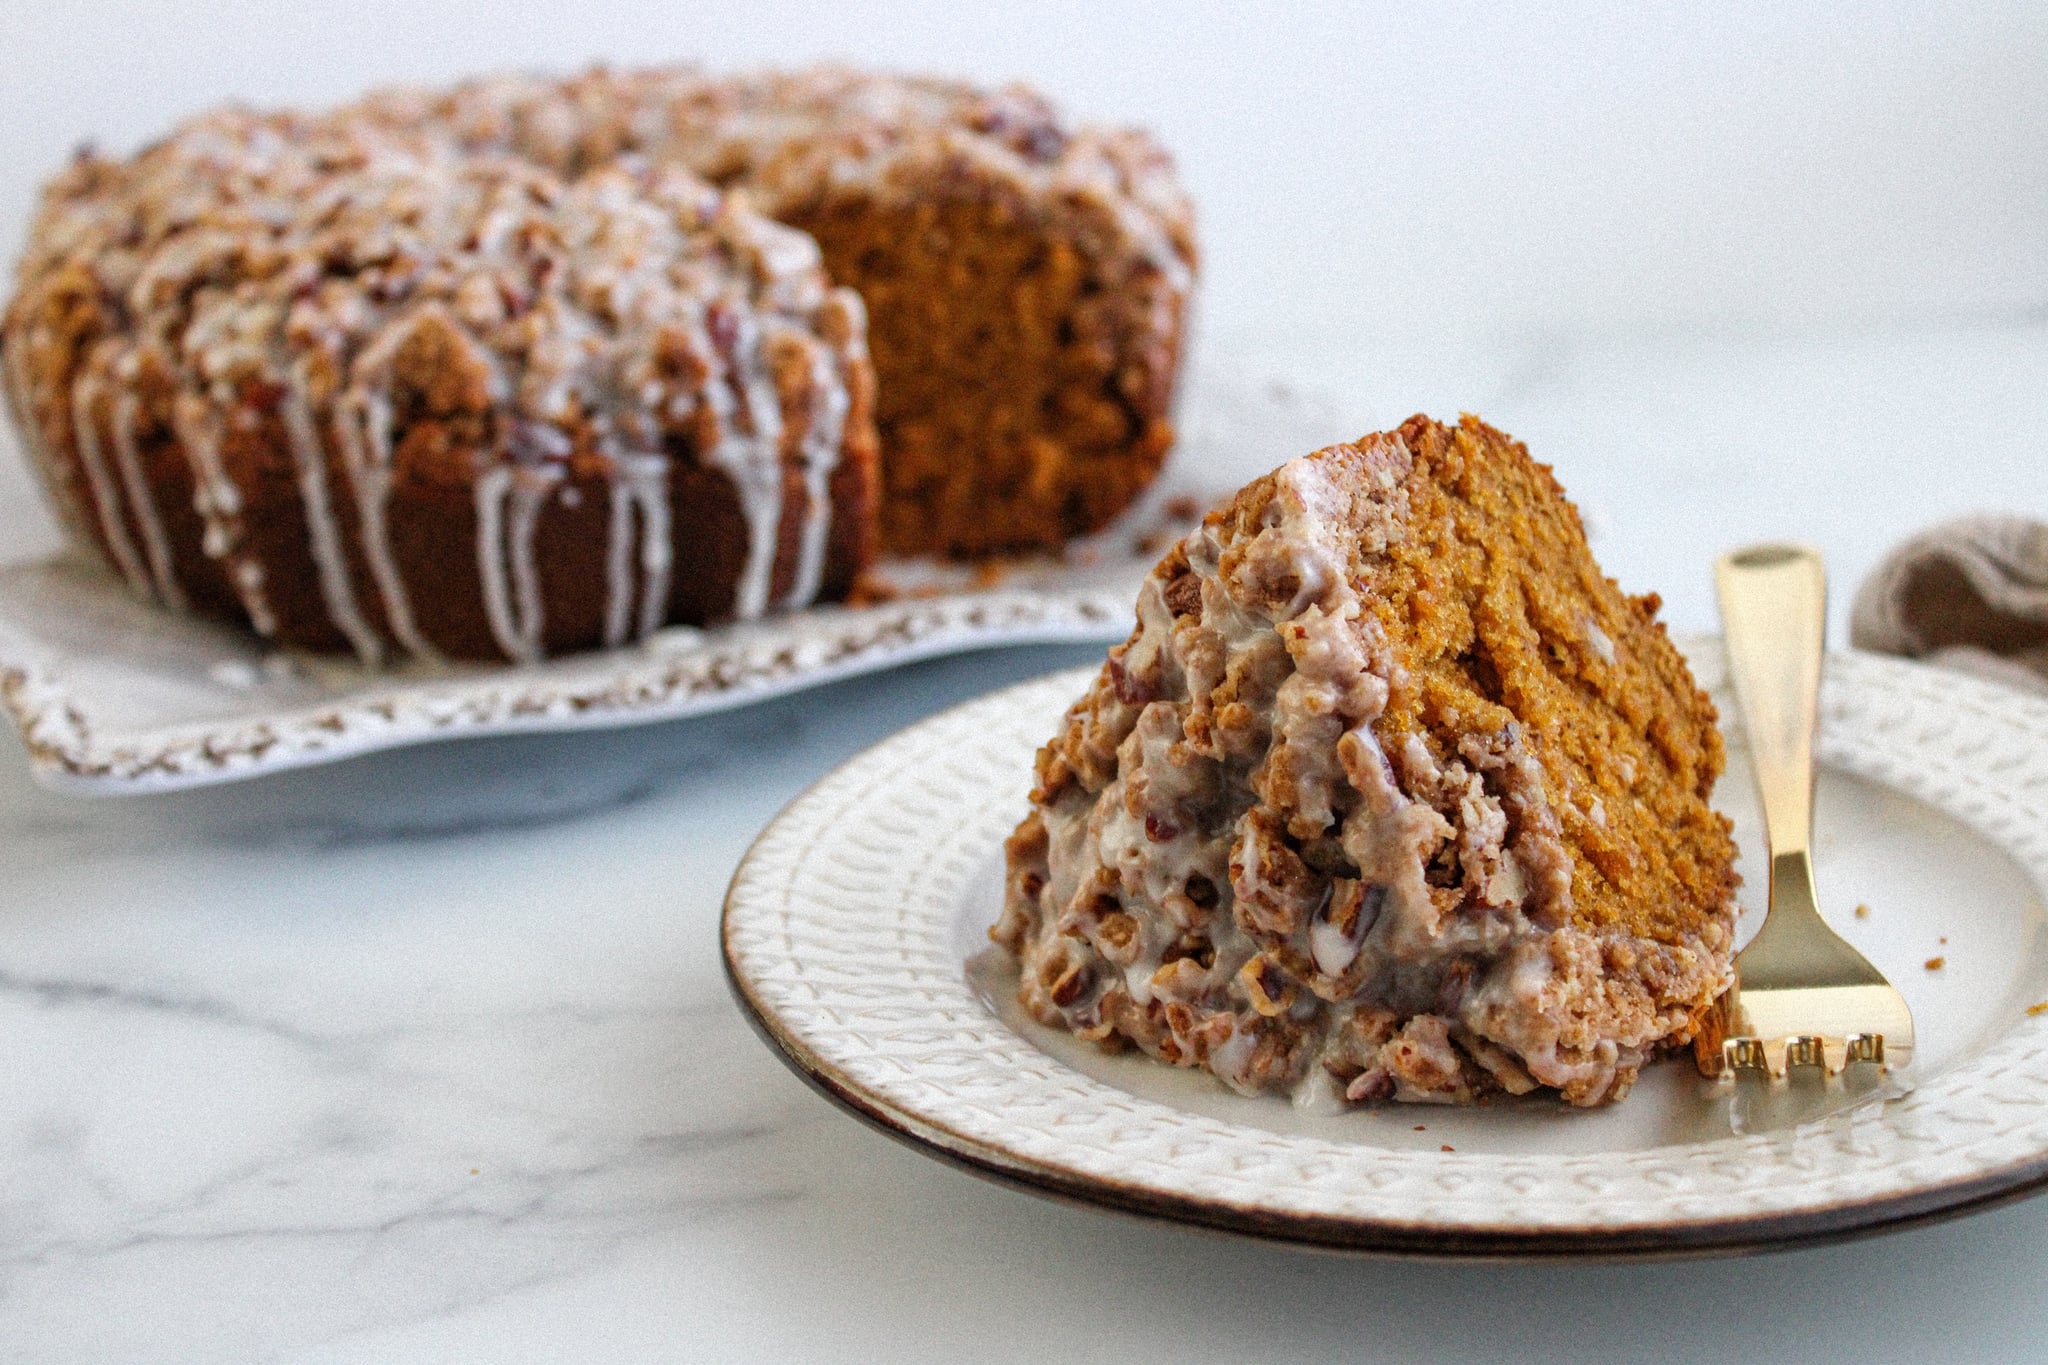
point(1737, 269)
point(1360, 168)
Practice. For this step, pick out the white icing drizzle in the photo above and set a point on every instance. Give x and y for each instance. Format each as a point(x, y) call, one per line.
point(531, 489)
point(86, 392)
point(822, 438)
point(656, 547)
point(249, 580)
point(217, 500)
point(491, 487)
point(1601, 644)
point(362, 428)
point(509, 500)
point(141, 497)
point(618, 558)
point(750, 434)
point(323, 534)
point(638, 481)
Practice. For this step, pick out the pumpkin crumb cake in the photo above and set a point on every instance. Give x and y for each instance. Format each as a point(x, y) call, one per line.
point(1391, 792)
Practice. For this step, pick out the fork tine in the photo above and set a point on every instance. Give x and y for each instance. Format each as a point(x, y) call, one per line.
point(1803, 996)
point(1753, 1054)
point(1777, 1056)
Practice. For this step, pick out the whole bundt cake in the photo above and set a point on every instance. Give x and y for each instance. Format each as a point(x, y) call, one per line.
point(1390, 791)
point(531, 366)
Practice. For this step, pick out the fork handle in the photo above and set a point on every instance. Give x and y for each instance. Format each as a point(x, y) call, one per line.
point(1774, 614)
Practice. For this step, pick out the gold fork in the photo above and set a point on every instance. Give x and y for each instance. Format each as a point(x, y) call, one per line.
point(1803, 997)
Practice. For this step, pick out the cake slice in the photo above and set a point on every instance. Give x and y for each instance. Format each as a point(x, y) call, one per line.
point(1391, 791)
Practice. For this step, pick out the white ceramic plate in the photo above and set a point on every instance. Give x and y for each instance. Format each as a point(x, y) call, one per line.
point(850, 928)
point(112, 695)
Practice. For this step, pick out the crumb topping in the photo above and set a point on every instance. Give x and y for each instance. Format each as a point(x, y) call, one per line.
point(790, 138)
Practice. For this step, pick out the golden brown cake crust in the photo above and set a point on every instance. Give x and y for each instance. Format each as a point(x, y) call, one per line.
point(1391, 790)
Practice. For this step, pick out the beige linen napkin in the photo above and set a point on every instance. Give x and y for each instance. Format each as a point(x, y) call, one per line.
point(1969, 594)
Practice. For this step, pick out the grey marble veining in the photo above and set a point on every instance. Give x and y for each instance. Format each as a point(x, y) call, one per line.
point(399, 1039)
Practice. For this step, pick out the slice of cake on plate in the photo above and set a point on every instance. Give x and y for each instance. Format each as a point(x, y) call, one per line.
point(1390, 792)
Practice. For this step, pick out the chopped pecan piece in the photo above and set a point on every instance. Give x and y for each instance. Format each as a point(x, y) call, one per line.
point(1266, 986)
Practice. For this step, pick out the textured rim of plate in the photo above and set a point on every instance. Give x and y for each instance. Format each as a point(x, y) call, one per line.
point(839, 945)
point(723, 668)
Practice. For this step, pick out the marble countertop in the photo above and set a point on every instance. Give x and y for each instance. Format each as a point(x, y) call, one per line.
point(427, 1056)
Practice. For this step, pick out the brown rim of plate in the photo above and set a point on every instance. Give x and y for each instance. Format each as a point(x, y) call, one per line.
point(1674, 1240)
